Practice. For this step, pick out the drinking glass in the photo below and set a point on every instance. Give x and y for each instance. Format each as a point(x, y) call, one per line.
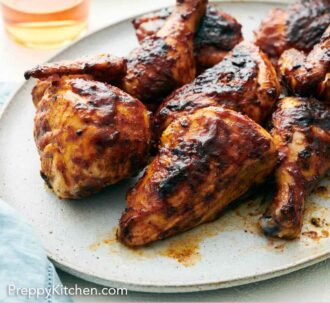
point(45, 23)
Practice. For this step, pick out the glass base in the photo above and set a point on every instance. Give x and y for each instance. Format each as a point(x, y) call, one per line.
point(46, 35)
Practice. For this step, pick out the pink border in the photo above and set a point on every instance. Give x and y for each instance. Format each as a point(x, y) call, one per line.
point(164, 316)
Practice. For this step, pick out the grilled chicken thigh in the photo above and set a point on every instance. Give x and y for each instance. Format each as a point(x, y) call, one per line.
point(89, 134)
point(217, 34)
point(308, 75)
point(244, 81)
point(299, 26)
point(165, 61)
point(206, 160)
point(301, 132)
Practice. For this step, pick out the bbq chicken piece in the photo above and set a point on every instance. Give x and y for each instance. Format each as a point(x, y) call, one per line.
point(308, 75)
point(102, 67)
point(165, 61)
point(299, 26)
point(206, 160)
point(217, 34)
point(89, 134)
point(301, 132)
point(244, 81)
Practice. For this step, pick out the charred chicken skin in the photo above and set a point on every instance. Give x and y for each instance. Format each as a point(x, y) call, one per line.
point(165, 61)
point(206, 160)
point(216, 35)
point(299, 26)
point(89, 134)
point(308, 75)
point(102, 67)
point(301, 132)
point(244, 81)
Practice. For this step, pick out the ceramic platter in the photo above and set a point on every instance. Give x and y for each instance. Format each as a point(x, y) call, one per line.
point(79, 236)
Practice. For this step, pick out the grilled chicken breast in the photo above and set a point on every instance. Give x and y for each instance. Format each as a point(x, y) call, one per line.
point(89, 134)
point(245, 81)
point(206, 160)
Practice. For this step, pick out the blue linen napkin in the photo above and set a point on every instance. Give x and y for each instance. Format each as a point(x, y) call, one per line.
point(26, 275)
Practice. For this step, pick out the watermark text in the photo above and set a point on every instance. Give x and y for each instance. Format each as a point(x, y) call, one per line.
point(62, 290)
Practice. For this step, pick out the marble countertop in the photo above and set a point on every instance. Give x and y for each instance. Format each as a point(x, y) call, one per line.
point(308, 285)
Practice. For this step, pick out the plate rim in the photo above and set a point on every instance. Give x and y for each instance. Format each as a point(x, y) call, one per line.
point(190, 287)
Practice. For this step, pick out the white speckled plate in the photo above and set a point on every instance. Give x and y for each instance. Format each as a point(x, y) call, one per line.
point(79, 235)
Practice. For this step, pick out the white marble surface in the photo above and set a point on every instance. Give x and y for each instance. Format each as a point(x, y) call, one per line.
point(308, 285)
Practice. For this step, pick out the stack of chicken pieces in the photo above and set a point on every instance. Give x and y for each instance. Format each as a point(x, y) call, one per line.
point(193, 102)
